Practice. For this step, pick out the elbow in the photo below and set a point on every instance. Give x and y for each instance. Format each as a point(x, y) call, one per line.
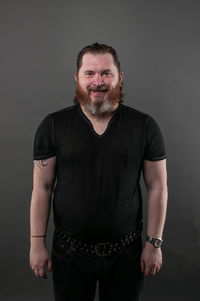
point(44, 189)
point(158, 187)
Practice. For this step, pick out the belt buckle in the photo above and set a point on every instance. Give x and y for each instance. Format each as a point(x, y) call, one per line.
point(97, 251)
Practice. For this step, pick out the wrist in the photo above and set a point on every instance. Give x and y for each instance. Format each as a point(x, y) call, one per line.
point(37, 240)
point(149, 246)
point(37, 244)
point(156, 242)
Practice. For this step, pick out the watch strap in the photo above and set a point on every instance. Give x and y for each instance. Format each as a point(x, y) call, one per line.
point(155, 241)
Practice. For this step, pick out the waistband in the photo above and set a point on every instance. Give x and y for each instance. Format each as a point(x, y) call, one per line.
point(99, 249)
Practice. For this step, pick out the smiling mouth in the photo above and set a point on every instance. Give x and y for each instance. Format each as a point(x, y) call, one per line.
point(103, 91)
point(98, 93)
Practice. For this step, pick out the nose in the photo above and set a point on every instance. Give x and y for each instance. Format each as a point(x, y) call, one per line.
point(97, 80)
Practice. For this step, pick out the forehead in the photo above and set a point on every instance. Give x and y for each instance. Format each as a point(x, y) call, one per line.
point(97, 61)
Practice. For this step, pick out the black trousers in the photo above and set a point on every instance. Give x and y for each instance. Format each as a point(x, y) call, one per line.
point(75, 274)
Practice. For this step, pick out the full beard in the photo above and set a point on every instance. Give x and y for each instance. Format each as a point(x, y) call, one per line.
point(98, 107)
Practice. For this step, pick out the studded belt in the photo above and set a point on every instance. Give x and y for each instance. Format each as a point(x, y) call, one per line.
point(99, 249)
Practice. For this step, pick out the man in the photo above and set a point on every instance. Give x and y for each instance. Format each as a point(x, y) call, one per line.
point(95, 151)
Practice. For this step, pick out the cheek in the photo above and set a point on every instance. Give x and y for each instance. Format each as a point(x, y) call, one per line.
point(84, 84)
point(87, 83)
point(110, 82)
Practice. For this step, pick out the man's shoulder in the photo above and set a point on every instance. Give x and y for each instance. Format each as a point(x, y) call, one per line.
point(63, 111)
point(133, 112)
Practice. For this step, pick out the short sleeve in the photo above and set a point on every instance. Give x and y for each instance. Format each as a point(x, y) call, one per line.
point(154, 149)
point(43, 146)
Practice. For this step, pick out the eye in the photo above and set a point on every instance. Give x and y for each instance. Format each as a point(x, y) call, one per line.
point(107, 73)
point(88, 74)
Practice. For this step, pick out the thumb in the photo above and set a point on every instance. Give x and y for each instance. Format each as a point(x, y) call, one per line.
point(142, 265)
point(49, 265)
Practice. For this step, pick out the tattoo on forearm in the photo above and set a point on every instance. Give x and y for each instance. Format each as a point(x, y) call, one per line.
point(41, 163)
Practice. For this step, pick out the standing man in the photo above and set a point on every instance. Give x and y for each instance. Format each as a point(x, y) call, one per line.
point(90, 156)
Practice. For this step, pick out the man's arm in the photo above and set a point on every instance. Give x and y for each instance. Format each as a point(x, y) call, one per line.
point(155, 178)
point(43, 182)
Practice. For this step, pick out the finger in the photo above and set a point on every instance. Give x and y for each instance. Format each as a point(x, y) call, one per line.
point(153, 272)
point(142, 265)
point(147, 271)
point(158, 269)
point(41, 272)
point(49, 265)
point(36, 270)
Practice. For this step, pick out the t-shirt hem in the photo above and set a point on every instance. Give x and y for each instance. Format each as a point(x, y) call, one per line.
point(40, 157)
point(156, 158)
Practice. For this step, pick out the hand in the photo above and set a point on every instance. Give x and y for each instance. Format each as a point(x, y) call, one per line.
point(39, 257)
point(151, 260)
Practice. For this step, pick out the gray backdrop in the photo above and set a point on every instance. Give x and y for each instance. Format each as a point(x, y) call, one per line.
point(158, 43)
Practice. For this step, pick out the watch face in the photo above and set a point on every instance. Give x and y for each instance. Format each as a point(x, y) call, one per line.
point(157, 243)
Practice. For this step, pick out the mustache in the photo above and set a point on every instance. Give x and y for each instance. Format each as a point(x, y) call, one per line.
point(98, 89)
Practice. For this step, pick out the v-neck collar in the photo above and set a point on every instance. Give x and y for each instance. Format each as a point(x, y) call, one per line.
point(116, 113)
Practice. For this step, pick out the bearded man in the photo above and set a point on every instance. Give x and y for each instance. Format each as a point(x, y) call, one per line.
point(90, 156)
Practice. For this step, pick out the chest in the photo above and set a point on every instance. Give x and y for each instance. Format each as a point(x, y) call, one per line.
point(88, 146)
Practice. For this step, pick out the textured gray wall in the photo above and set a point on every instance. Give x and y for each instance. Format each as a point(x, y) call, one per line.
point(158, 43)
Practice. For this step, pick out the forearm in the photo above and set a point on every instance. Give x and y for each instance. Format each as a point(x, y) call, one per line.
point(39, 214)
point(156, 214)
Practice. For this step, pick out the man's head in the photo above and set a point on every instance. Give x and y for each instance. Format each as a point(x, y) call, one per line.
point(98, 78)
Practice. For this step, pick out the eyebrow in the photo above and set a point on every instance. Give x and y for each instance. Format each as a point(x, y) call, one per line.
point(106, 70)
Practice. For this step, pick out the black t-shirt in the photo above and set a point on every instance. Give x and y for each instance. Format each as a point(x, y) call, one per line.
point(97, 195)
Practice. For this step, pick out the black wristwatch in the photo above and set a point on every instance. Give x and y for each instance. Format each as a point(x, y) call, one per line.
point(156, 242)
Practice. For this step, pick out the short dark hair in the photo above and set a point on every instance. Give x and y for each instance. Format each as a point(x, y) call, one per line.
point(97, 48)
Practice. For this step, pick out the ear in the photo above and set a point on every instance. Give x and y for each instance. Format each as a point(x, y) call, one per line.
point(121, 75)
point(76, 76)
